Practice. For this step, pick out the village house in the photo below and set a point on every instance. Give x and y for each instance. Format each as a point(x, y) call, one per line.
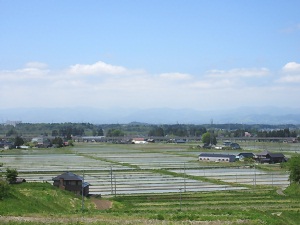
point(269, 157)
point(41, 142)
point(139, 141)
point(71, 182)
point(242, 156)
point(212, 157)
point(6, 144)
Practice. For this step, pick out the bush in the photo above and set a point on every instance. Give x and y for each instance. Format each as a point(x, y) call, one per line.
point(11, 175)
point(294, 168)
point(293, 190)
point(160, 217)
point(4, 189)
point(71, 143)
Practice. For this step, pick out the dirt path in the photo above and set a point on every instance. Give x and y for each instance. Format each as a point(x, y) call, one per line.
point(280, 192)
point(101, 204)
point(108, 221)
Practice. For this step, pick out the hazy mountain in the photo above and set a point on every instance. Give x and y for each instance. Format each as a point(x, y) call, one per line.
point(245, 115)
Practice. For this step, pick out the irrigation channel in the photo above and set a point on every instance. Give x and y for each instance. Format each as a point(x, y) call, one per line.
point(119, 170)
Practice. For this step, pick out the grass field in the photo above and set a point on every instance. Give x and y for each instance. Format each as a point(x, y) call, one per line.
point(40, 203)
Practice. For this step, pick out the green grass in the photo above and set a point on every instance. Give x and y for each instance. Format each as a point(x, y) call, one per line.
point(254, 207)
point(259, 206)
point(39, 198)
point(293, 190)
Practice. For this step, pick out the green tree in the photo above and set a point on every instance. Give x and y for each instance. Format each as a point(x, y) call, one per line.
point(11, 132)
point(100, 132)
point(58, 142)
point(4, 189)
point(248, 160)
point(18, 141)
point(157, 132)
point(70, 142)
point(294, 168)
point(207, 138)
point(11, 175)
point(54, 133)
point(114, 133)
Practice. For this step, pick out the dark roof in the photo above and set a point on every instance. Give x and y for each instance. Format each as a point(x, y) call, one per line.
point(246, 154)
point(276, 155)
point(68, 176)
point(264, 153)
point(85, 184)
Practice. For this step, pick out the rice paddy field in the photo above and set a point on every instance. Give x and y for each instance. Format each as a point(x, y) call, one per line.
point(147, 184)
point(134, 169)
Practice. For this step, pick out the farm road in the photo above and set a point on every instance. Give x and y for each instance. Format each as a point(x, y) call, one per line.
point(108, 221)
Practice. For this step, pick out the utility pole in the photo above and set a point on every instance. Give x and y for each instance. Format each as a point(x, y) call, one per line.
point(111, 181)
point(115, 185)
point(211, 127)
point(254, 175)
point(180, 198)
point(82, 190)
point(184, 177)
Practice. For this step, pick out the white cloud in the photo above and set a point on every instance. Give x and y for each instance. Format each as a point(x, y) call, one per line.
point(289, 79)
point(239, 73)
point(176, 76)
point(290, 73)
point(99, 68)
point(213, 84)
point(291, 67)
point(136, 88)
point(24, 74)
point(37, 65)
point(235, 78)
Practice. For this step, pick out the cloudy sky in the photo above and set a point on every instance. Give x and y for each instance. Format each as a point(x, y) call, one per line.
point(149, 54)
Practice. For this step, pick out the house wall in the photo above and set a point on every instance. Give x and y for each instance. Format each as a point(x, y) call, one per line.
point(214, 159)
point(74, 186)
point(275, 159)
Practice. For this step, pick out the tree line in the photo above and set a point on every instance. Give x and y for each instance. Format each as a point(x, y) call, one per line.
point(67, 130)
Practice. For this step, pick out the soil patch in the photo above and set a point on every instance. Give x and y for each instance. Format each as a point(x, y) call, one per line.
point(101, 204)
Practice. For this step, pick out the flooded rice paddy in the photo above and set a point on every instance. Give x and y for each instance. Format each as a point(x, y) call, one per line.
point(135, 169)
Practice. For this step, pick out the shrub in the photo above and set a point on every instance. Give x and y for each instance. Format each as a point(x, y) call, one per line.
point(293, 190)
point(160, 217)
point(11, 175)
point(4, 189)
point(294, 168)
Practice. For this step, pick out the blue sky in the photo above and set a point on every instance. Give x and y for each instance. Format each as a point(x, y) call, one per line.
point(150, 54)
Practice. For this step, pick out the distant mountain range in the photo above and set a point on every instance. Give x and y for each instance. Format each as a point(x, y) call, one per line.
point(244, 115)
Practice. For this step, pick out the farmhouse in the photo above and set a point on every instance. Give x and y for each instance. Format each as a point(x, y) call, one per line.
point(211, 157)
point(139, 141)
point(5, 144)
point(269, 157)
point(71, 182)
point(41, 142)
point(242, 156)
